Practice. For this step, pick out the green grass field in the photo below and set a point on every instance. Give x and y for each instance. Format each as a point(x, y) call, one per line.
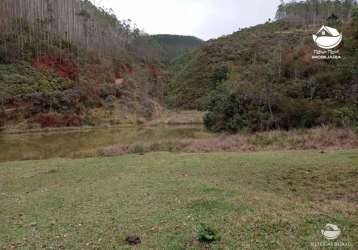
point(265, 200)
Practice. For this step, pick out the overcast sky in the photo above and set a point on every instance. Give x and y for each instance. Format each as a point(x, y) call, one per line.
point(202, 18)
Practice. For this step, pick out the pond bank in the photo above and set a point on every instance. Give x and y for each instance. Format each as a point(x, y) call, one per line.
point(167, 118)
point(115, 141)
point(72, 142)
point(320, 138)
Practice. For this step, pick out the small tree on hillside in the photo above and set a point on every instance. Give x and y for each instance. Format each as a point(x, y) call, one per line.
point(355, 14)
point(333, 20)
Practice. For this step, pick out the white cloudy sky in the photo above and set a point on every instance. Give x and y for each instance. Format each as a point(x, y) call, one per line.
point(202, 18)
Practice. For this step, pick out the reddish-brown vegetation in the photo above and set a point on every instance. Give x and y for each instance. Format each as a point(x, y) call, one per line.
point(121, 73)
point(123, 70)
point(153, 70)
point(56, 120)
point(63, 67)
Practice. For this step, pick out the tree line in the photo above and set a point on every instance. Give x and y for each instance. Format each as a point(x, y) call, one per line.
point(42, 27)
point(315, 12)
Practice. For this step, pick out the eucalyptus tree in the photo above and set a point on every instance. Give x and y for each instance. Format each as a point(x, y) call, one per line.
point(41, 26)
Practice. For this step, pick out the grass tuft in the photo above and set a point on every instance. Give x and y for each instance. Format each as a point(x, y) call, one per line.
point(208, 234)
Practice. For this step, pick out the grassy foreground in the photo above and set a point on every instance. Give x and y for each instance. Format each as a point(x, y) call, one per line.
point(265, 200)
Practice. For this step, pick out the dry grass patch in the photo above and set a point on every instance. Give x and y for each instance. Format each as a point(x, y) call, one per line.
point(321, 138)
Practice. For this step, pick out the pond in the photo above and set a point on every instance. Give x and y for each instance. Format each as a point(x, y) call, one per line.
point(45, 145)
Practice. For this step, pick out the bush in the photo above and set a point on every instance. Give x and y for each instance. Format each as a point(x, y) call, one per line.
point(57, 120)
point(137, 149)
point(297, 113)
point(345, 116)
point(207, 234)
point(233, 112)
point(220, 74)
point(262, 140)
point(355, 14)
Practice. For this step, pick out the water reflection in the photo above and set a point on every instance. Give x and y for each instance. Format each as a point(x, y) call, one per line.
point(47, 145)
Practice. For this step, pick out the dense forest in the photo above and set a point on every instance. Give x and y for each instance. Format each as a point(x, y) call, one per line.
point(264, 77)
point(39, 27)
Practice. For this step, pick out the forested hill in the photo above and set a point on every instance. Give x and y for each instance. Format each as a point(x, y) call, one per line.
point(172, 46)
point(65, 63)
point(264, 77)
point(42, 25)
point(315, 12)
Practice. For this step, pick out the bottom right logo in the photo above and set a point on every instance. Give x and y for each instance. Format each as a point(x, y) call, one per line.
point(331, 232)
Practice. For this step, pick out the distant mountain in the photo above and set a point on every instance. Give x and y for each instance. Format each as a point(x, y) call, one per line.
point(173, 46)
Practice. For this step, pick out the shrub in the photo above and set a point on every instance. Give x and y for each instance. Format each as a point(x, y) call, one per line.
point(345, 116)
point(234, 112)
point(137, 149)
point(355, 14)
point(297, 113)
point(231, 112)
point(208, 234)
point(57, 120)
point(262, 140)
point(220, 74)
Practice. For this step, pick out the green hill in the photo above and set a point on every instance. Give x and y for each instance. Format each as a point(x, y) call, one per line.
point(173, 46)
point(70, 63)
point(264, 77)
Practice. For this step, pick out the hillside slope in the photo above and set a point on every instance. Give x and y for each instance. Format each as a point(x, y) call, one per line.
point(71, 63)
point(172, 46)
point(264, 77)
